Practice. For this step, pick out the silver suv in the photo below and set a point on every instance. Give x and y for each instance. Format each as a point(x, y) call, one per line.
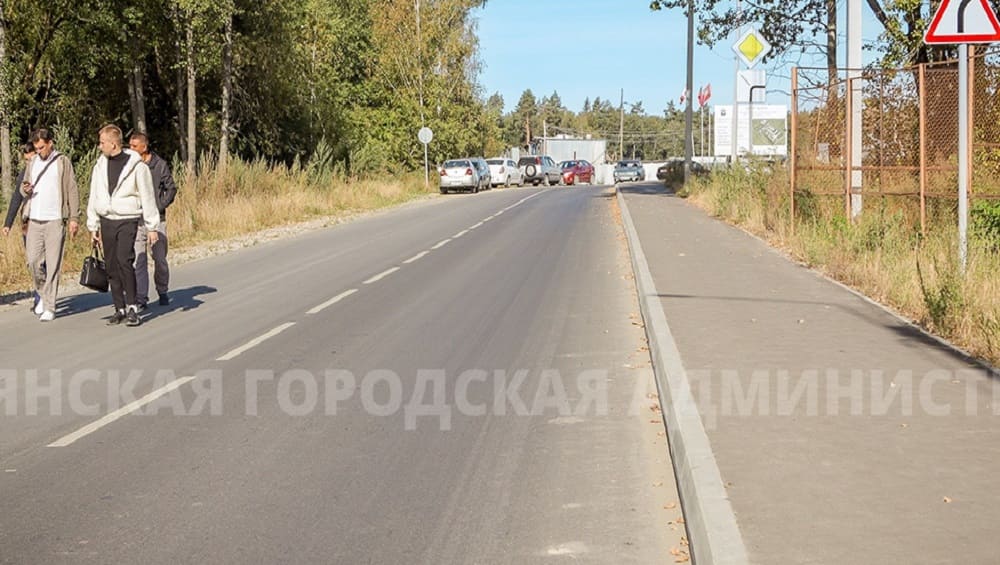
point(537, 169)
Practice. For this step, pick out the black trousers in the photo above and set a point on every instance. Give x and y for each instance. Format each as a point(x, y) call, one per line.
point(118, 239)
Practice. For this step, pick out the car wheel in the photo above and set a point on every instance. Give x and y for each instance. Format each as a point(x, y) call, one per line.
point(506, 182)
point(444, 191)
point(530, 170)
point(475, 189)
point(535, 183)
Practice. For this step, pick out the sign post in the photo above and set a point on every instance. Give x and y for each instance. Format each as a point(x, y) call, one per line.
point(750, 47)
point(963, 22)
point(425, 135)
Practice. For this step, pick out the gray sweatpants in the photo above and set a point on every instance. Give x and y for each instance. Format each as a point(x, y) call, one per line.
point(161, 270)
point(44, 248)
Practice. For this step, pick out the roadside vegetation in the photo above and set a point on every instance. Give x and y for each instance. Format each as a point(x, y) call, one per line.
point(882, 254)
point(246, 198)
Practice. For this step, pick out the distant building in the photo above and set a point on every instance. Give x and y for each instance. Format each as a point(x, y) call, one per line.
point(563, 148)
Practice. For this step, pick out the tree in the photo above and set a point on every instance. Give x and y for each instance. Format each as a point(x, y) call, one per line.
point(791, 26)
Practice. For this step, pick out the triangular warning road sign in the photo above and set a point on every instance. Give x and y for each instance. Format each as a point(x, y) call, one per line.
point(963, 21)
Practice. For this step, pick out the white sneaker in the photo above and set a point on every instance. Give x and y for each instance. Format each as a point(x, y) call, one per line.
point(39, 308)
point(47, 316)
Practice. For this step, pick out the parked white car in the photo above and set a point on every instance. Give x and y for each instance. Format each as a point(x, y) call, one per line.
point(463, 174)
point(504, 171)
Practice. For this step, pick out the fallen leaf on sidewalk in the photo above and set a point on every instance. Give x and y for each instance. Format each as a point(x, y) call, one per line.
point(675, 551)
point(947, 500)
point(653, 396)
point(658, 484)
point(655, 407)
point(684, 541)
point(670, 506)
point(680, 520)
point(656, 421)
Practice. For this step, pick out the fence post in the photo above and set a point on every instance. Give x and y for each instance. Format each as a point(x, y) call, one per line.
point(922, 99)
point(848, 148)
point(792, 161)
point(972, 116)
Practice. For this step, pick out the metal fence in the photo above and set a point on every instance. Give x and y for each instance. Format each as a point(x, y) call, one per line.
point(909, 140)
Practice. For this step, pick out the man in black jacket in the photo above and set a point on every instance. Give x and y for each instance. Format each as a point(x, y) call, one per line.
point(165, 191)
point(16, 199)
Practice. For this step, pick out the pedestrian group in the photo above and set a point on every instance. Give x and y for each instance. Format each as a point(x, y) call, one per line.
point(130, 191)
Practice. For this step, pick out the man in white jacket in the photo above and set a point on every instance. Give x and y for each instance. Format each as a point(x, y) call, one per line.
point(121, 195)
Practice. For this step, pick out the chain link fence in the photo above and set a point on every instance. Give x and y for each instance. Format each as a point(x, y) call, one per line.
point(909, 140)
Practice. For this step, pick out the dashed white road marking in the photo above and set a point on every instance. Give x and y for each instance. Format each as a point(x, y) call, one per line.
point(460, 234)
point(441, 243)
point(255, 342)
point(332, 301)
point(381, 275)
point(416, 257)
point(92, 427)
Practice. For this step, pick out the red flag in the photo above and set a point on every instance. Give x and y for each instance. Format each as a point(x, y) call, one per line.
point(684, 96)
point(708, 92)
point(701, 96)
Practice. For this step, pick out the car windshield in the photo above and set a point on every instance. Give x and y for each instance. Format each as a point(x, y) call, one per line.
point(455, 163)
point(495, 161)
point(567, 164)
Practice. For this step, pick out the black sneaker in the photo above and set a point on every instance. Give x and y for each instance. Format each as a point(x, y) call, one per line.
point(140, 307)
point(116, 318)
point(132, 318)
point(164, 299)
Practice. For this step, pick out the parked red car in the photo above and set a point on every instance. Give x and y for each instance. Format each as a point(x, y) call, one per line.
point(577, 171)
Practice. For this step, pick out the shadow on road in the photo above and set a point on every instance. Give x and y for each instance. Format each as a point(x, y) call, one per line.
point(180, 299)
point(183, 299)
point(648, 188)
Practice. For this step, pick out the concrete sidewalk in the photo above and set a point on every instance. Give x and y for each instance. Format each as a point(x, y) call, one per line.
point(841, 433)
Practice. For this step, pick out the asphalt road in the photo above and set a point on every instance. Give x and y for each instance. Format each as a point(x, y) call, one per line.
point(287, 406)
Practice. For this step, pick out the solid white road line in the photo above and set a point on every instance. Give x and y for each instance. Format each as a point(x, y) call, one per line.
point(441, 243)
point(474, 226)
point(381, 275)
point(255, 342)
point(416, 257)
point(124, 410)
point(332, 301)
point(460, 234)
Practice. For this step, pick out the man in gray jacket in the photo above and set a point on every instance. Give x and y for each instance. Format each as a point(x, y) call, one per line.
point(165, 191)
point(121, 195)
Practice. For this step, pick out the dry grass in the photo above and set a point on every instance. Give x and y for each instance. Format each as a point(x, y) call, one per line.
point(882, 255)
point(249, 197)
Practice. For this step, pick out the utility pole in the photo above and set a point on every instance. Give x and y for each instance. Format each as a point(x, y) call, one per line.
point(621, 127)
point(734, 130)
point(857, 102)
point(688, 108)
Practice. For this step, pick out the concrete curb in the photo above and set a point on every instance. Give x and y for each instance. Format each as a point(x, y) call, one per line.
point(712, 529)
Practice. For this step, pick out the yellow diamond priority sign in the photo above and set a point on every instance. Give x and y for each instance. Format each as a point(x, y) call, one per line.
point(751, 47)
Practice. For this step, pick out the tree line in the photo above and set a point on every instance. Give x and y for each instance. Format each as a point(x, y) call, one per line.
point(254, 79)
point(629, 130)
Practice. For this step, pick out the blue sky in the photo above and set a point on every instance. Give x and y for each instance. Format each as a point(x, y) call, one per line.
point(594, 48)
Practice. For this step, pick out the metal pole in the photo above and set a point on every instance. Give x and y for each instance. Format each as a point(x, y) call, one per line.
point(963, 153)
point(848, 150)
point(621, 127)
point(792, 153)
point(689, 108)
point(736, 87)
point(427, 170)
point(923, 148)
